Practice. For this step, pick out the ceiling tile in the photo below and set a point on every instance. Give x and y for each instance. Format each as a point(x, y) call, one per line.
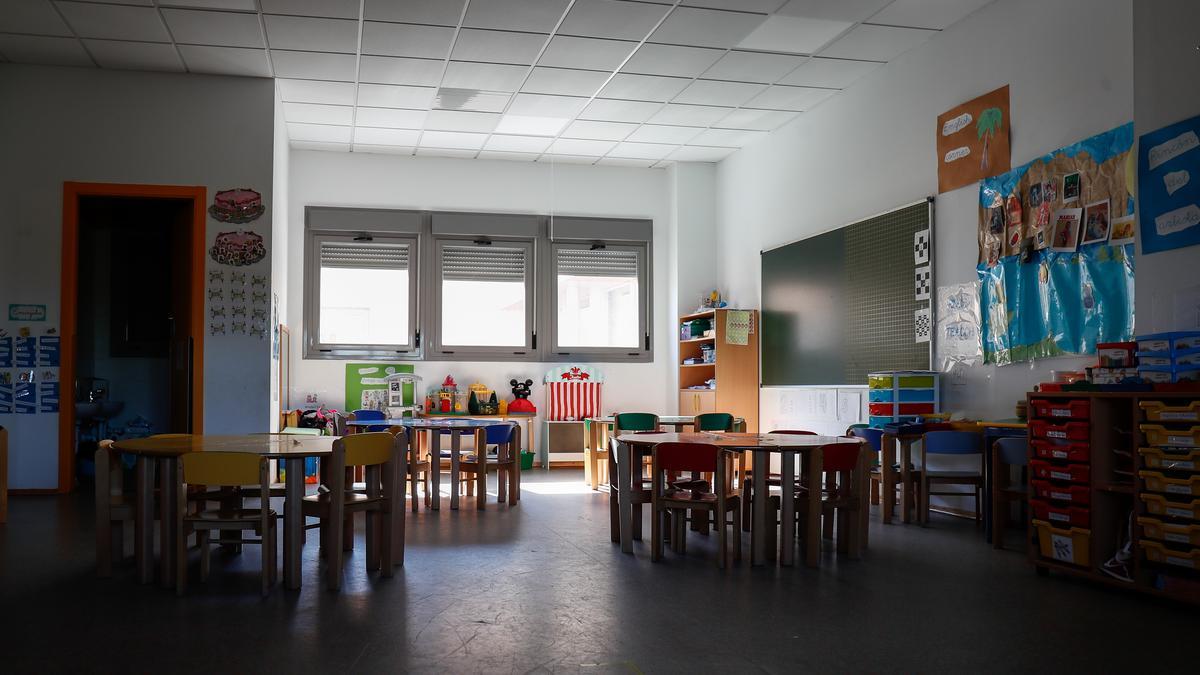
point(497, 46)
point(753, 67)
point(794, 35)
point(697, 153)
point(586, 53)
point(484, 76)
point(384, 149)
point(642, 150)
point(32, 16)
point(452, 139)
point(531, 125)
point(458, 120)
point(764, 6)
point(689, 115)
point(115, 22)
point(508, 156)
point(564, 81)
point(446, 152)
point(644, 87)
point(760, 120)
point(435, 12)
point(611, 19)
point(608, 110)
point(226, 60)
point(337, 9)
point(392, 39)
point(877, 43)
point(318, 114)
point(832, 73)
point(727, 137)
point(396, 70)
point(833, 10)
point(224, 29)
point(124, 55)
point(927, 13)
point(389, 117)
point(657, 133)
point(324, 147)
point(312, 91)
point(781, 97)
point(706, 27)
point(471, 99)
point(542, 105)
point(372, 136)
point(710, 92)
point(538, 16)
point(55, 51)
point(571, 146)
point(535, 144)
point(314, 65)
point(601, 131)
point(395, 96)
point(567, 159)
point(316, 35)
point(652, 59)
point(234, 5)
point(324, 133)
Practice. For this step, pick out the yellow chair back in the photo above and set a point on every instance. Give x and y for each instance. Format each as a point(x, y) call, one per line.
point(222, 468)
point(369, 448)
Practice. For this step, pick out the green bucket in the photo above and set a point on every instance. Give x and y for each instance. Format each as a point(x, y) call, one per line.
point(526, 461)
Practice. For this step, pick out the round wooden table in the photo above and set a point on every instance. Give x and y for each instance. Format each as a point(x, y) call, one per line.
point(633, 446)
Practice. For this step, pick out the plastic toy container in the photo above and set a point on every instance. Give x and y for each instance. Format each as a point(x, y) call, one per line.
point(1116, 354)
point(882, 409)
point(1073, 473)
point(1068, 431)
point(901, 395)
point(1075, 494)
point(1158, 411)
point(1157, 458)
point(1188, 535)
point(1068, 545)
point(1160, 553)
point(1165, 343)
point(1078, 409)
point(1062, 516)
point(1157, 434)
point(1161, 506)
point(1071, 452)
point(1157, 482)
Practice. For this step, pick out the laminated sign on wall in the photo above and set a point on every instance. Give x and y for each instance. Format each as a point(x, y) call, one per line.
point(958, 326)
point(1169, 186)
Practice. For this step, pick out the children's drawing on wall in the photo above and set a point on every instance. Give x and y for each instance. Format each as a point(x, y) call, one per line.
point(973, 140)
point(1123, 231)
point(1095, 222)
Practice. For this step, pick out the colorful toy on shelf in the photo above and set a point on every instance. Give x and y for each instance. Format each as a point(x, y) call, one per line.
point(902, 396)
point(521, 392)
point(448, 395)
point(713, 301)
point(481, 401)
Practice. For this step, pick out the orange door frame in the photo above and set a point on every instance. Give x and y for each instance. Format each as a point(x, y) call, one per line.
point(70, 302)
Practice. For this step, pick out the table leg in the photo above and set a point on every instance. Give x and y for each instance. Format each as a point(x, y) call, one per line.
point(887, 477)
point(906, 493)
point(434, 440)
point(812, 538)
point(625, 494)
point(787, 506)
point(589, 454)
point(293, 521)
point(455, 440)
point(167, 486)
point(988, 478)
point(758, 531)
point(481, 474)
point(143, 523)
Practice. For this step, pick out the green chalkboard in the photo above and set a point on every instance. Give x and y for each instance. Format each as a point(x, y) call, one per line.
point(364, 382)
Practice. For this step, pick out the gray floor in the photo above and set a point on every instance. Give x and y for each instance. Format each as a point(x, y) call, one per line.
point(539, 588)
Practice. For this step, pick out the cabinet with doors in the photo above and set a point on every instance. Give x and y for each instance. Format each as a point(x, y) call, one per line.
point(728, 371)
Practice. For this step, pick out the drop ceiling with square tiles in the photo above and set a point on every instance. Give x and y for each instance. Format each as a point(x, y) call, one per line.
point(609, 82)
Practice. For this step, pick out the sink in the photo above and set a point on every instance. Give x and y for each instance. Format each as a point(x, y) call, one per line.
point(97, 410)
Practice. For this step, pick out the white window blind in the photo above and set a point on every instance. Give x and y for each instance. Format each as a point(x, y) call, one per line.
point(364, 255)
point(597, 263)
point(483, 263)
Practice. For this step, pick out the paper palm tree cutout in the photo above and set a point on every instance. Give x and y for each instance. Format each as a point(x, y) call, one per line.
point(989, 123)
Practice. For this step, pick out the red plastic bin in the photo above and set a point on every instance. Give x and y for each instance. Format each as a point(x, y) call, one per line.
point(1076, 409)
point(888, 409)
point(1076, 494)
point(1075, 516)
point(1074, 473)
point(1071, 452)
point(1068, 431)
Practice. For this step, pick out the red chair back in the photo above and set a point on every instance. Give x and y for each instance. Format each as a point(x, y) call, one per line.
point(687, 457)
point(794, 432)
point(840, 456)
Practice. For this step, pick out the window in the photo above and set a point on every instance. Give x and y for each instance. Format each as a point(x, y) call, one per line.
point(485, 299)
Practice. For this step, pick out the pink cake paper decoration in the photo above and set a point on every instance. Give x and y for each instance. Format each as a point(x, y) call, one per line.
point(240, 205)
point(238, 248)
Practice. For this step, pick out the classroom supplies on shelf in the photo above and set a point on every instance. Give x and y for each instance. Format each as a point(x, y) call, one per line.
point(902, 395)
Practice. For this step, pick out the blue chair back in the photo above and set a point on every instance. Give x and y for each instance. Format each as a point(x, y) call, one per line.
point(1013, 451)
point(952, 443)
point(874, 437)
point(499, 434)
point(371, 416)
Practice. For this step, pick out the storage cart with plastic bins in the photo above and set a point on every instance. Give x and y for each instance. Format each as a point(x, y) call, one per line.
point(1159, 411)
point(902, 396)
point(1158, 458)
point(1158, 552)
point(1066, 451)
point(1073, 516)
point(1073, 473)
point(1076, 409)
point(1068, 431)
point(1160, 505)
point(1068, 545)
point(1075, 494)
point(1186, 437)
point(1156, 481)
point(1175, 533)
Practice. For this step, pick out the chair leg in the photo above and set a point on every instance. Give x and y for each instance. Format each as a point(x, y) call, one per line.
point(481, 483)
point(205, 554)
point(372, 537)
point(656, 533)
point(267, 561)
point(875, 490)
point(614, 515)
point(747, 498)
point(637, 522)
point(737, 531)
point(274, 542)
point(722, 543)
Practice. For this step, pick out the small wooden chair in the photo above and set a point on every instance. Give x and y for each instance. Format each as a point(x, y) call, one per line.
point(379, 453)
point(631, 422)
point(113, 509)
point(670, 506)
point(844, 497)
point(874, 439)
point(505, 461)
point(950, 443)
point(232, 469)
point(1006, 453)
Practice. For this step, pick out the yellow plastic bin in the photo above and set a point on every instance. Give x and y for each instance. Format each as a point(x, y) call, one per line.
point(1158, 411)
point(1068, 545)
point(1157, 458)
point(1157, 434)
point(1157, 482)
point(1159, 553)
point(1154, 528)
point(1161, 506)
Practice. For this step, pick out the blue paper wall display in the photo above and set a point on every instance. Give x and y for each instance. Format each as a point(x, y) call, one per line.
point(1169, 186)
point(26, 398)
point(6, 352)
point(49, 395)
point(25, 349)
point(6, 398)
point(49, 349)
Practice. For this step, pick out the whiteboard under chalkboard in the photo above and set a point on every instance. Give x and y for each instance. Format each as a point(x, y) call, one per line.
point(825, 410)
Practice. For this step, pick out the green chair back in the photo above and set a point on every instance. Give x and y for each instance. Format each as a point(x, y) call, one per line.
point(713, 422)
point(635, 422)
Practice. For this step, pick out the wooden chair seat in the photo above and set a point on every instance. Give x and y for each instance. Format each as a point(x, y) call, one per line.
point(354, 501)
point(231, 516)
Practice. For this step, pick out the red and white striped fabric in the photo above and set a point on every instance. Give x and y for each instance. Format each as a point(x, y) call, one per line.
point(573, 393)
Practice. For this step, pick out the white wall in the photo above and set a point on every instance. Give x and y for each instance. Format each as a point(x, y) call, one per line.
point(691, 255)
point(386, 181)
point(77, 124)
point(280, 166)
point(872, 148)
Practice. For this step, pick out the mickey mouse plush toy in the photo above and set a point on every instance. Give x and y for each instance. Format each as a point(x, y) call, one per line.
point(521, 391)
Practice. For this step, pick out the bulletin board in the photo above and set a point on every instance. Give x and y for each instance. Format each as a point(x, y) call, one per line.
point(1169, 159)
point(366, 386)
point(1055, 262)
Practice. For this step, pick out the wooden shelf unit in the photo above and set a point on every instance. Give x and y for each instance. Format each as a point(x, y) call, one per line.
point(1114, 429)
point(735, 368)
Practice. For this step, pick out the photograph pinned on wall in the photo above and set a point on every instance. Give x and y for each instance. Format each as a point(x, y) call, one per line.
point(922, 325)
point(923, 286)
point(996, 220)
point(1035, 195)
point(1071, 187)
point(1096, 222)
point(1065, 236)
point(993, 252)
point(921, 247)
point(1123, 231)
